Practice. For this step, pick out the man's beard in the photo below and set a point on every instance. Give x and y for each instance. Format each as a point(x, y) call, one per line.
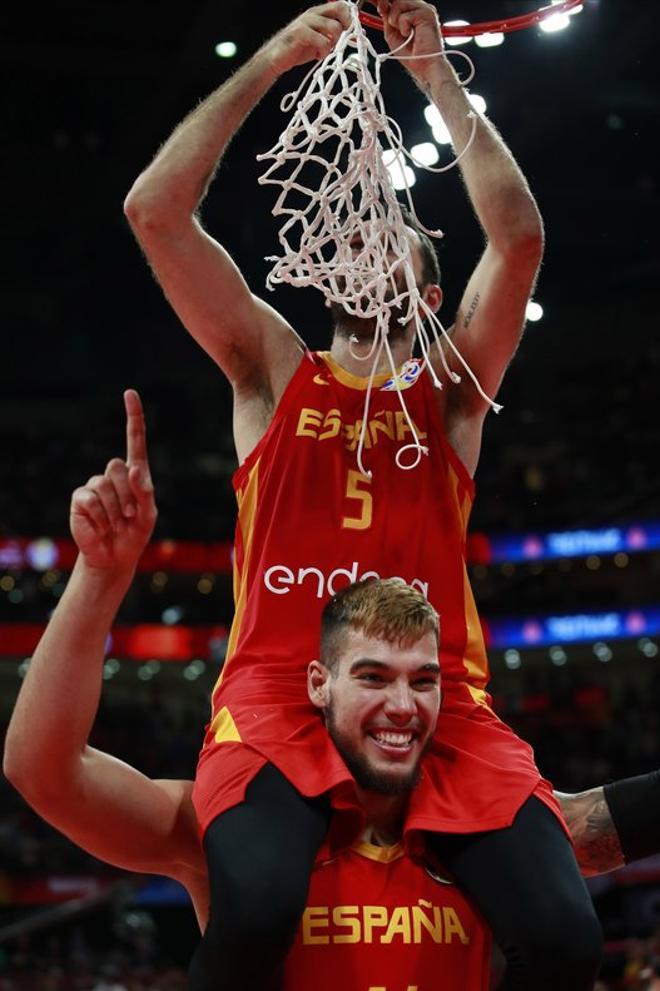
point(348, 325)
point(365, 775)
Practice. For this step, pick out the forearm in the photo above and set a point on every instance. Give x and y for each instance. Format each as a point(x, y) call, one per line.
point(497, 188)
point(176, 182)
point(593, 831)
point(59, 696)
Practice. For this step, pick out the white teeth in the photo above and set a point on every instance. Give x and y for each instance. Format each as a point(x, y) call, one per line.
point(394, 739)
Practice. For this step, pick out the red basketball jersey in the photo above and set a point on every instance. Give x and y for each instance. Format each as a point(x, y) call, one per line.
point(377, 921)
point(309, 523)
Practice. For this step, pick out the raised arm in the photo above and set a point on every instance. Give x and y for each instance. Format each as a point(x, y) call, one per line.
point(102, 804)
point(252, 344)
point(491, 314)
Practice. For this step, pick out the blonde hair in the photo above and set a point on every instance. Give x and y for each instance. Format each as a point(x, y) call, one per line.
point(380, 608)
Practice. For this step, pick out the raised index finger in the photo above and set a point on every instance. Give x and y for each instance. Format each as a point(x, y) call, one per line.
point(136, 432)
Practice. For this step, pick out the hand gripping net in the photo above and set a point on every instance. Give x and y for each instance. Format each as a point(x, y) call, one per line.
point(344, 231)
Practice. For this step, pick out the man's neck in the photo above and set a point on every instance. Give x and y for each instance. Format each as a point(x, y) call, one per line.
point(385, 815)
point(343, 351)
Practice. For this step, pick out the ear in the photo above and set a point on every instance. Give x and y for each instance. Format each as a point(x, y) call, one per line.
point(433, 297)
point(318, 678)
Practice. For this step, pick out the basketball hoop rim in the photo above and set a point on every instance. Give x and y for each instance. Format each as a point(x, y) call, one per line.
point(502, 26)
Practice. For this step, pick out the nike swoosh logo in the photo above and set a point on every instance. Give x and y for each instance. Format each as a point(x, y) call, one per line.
point(319, 380)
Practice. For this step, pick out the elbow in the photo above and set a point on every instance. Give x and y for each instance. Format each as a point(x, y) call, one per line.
point(525, 243)
point(142, 210)
point(155, 209)
point(518, 233)
point(27, 771)
point(15, 767)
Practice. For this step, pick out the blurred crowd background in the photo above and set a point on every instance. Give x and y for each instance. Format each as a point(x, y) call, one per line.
point(96, 88)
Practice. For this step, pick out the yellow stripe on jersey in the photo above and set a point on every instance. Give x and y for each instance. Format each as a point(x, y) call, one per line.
point(463, 505)
point(247, 509)
point(382, 854)
point(475, 661)
point(224, 728)
point(476, 666)
point(352, 381)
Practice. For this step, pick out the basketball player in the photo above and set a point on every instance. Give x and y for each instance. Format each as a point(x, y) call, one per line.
point(374, 916)
point(310, 521)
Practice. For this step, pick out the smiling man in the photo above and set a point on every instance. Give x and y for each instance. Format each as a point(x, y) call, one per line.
point(378, 683)
point(374, 917)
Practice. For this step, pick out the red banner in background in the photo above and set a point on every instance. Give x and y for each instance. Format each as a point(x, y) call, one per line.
point(143, 642)
point(183, 556)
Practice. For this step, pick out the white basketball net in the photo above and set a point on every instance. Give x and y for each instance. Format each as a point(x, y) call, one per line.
point(344, 232)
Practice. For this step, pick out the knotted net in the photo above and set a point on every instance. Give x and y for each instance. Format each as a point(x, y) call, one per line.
point(344, 231)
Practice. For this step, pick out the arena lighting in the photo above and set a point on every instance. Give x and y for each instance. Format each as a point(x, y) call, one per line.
point(490, 40)
point(477, 102)
point(425, 153)
point(147, 671)
point(506, 632)
point(194, 670)
point(42, 554)
point(22, 669)
point(558, 22)
point(402, 176)
point(459, 39)
point(558, 656)
point(438, 127)
point(534, 311)
point(602, 652)
point(172, 615)
point(110, 668)
point(512, 659)
point(226, 49)
point(205, 585)
point(610, 540)
point(648, 647)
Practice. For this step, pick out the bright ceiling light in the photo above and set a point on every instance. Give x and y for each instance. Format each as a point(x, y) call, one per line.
point(441, 134)
point(402, 176)
point(489, 40)
point(425, 153)
point(534, 311)
point(477, 102)
point(556, 22)
point(437, 124)
point(226, 49)
point(459, 39)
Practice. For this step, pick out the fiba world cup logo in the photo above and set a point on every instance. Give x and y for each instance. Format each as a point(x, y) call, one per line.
point(407, 376)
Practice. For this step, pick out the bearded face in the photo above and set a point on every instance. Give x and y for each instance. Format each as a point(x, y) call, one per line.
point(348, 325)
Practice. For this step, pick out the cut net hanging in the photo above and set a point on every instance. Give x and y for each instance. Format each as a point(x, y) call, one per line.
point(344, 231)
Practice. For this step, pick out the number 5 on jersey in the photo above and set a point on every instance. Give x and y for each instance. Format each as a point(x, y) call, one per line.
point(361, 508)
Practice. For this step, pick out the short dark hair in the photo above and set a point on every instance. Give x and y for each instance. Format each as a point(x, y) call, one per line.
point(431, 274)
point(381, 608)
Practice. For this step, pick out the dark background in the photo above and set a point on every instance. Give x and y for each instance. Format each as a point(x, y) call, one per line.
point(90, 91)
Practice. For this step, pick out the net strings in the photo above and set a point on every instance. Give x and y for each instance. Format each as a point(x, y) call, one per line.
point(343, 231)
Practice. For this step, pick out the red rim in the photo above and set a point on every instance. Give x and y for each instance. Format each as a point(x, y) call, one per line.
point(505, 26)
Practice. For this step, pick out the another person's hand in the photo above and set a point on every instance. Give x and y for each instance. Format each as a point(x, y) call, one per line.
point(312, 35)
point(403, 18)
point(113, 516)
